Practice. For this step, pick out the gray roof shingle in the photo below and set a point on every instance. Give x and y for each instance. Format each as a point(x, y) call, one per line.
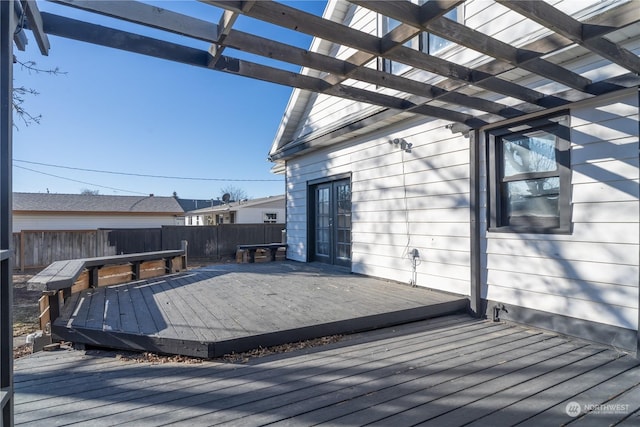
point(90, 203)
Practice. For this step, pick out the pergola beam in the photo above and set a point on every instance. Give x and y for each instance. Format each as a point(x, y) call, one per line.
point(480, 42)
point(35, 23)
point(19, 37)
point(261, 46)
point(298, 20)
point(150, 16)
point(222, 35)
point(109, 37)
point(561, 23)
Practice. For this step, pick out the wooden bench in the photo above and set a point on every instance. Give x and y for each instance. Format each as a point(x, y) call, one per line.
point(63, 278)
point(249, 254)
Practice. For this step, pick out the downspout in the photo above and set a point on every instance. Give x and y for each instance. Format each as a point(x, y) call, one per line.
point(475, 295)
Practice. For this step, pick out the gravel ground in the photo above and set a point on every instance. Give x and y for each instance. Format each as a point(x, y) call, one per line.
point(25, 312)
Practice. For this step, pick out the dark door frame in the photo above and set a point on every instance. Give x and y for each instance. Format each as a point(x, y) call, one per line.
point(311, 207)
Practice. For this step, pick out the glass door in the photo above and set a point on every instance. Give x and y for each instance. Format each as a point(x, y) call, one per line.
point(324, 223)
point(342, 221)
point(331, 235)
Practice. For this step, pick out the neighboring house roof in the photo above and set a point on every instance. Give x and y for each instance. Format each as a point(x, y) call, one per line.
point(264, 202)
point(78, 203)
point(193, 204)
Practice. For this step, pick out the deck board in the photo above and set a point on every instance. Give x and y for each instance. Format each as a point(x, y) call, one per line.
point(452, 370)
point(549, 409)
point(236, 307)
point(96, 305)
point(127, 312)
point(147, 323)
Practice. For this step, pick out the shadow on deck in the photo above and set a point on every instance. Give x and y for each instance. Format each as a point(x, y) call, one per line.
point(229, 308)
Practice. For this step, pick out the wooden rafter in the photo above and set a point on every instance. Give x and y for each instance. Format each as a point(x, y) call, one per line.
point(35, 21)
point(341, 69)
point(150, 16)
point(552, 18)
point(458, 33)
point(109, 37)
point(19, 37)
point(289, 17)
point(222, 35)
point(414, 96)
point(227, 20)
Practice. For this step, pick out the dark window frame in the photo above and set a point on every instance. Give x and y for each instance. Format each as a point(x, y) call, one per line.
point(421, 42)
point(270, 217)
point(498, 220)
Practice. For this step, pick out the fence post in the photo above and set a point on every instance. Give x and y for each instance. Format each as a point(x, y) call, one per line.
point(21, 251)
point(184, 246)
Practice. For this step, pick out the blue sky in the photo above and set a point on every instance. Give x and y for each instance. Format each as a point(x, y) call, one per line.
point(123, 112)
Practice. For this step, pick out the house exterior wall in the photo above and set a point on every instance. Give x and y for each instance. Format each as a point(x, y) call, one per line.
point(241, 216)
point(593, 272)
point(400, 201)
point(256, 215)
point(420, 200)
point(90, 222)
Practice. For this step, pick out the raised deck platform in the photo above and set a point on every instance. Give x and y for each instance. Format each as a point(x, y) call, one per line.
point(236, 307)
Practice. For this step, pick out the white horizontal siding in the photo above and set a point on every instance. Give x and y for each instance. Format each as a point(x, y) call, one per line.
point(568, 306)
point(89, 222)
point(400, 201)
point(256, 215)
point(591, 273)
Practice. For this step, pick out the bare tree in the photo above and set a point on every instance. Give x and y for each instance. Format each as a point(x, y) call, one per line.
point(235, 193)
point(87, 192)
point(20, 92)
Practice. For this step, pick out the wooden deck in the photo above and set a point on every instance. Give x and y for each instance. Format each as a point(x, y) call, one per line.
point(236, 307)
point(449, 371)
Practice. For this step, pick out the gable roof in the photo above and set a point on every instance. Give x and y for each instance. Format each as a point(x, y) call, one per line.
point(507, 82)
point(276, 202)
point(79, 203)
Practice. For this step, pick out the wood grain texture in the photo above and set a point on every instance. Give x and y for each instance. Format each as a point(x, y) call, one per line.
point(236, 307)
point(451, 370)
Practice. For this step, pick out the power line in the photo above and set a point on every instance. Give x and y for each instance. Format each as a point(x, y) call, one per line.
point(147, 175)
point(81, 182)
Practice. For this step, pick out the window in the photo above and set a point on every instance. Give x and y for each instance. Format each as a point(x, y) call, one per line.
point(530, 177)
point(425, 42)
point(433, 44)
point(270, 218)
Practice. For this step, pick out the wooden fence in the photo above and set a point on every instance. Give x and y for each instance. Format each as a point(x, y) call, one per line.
point(38, 249)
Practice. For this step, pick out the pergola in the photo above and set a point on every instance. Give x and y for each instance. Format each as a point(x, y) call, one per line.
point(466, 97)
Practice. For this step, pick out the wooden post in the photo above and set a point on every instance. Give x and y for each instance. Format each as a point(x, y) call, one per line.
point(7, 26)
point(94, 277)
point(184, 246)
point(21, 251)
point(475, 291)
point(135, 269)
